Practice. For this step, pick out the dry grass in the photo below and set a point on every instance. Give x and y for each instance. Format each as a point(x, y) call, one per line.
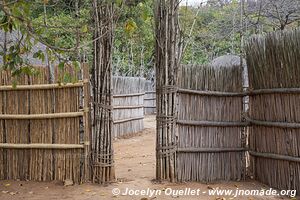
point(273, 62)
point(128, 105)
point(150, 98)
point(208, 166)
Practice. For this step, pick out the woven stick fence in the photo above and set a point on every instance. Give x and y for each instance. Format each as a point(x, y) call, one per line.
point(39, 128)
point(128, 105)
point(167, 59)
point(150, 98)
point(210, 145)
point(274, 139)
point(102, 149)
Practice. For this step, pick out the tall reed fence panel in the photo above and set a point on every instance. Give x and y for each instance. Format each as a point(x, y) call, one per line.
point(128, 105)
point(150, 98)
point(40, 127)
point(211, 144)
point(274, 115)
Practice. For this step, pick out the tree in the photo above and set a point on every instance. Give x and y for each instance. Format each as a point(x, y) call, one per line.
point(134, 39)
point(215, 33)
point(62, 34)
point(277, 14)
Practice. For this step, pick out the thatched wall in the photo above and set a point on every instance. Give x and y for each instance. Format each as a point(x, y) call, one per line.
point(150, 98)
point(273, 62)
point(128, 105)
point(40, 129)
point(210, 138)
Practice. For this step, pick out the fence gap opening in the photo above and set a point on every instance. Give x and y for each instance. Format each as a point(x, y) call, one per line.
point(134, 128)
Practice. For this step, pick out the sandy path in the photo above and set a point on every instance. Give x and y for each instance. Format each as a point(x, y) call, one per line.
point(135, 169)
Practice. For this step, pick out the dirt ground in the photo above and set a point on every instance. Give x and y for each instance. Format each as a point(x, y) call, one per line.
point(135, 169)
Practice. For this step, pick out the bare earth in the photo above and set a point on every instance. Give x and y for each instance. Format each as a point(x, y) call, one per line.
point(135, 169)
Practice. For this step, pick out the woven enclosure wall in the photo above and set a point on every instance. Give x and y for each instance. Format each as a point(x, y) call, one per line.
point(210, 138)
point(150, 98)
point(274, 137)
point(128, 105)
point(40, 128)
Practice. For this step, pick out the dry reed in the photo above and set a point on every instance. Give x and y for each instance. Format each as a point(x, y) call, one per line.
point(210, 151)
point(36, 163)
point(273, 62)
point(150, 98)
point(128, 104)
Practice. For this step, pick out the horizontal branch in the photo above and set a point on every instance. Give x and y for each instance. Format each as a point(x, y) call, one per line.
point(211, 93)
point(41, 86)
point(127, 120)
point(128, 95)
point(150, 92)
point(148, 99)
point(149, 106)
point(274, 91)
point(40, 146)
point(127, 107)
point(239, 124)
point(241, 94)
point(273, 124)
point(274, 156)
point(41, 116)
point(210, 150)
point(211, 123)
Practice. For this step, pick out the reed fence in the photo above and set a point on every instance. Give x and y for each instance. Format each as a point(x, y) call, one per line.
point(150, 98)
point(211, 144)
point(128, 105)
point(40, 127)
point(274, 137)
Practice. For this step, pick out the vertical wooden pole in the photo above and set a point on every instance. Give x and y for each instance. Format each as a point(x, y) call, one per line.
point(86, 121)
point(244, 71)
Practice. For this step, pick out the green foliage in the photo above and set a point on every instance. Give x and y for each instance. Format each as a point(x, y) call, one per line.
point(61, 65)
point(55, 24)
point(134, 39)
point(67, 32)
point(40, 55)
point(215, 33)
point(27, 70)
point(7, 23)
point(14, 18)
point(61, 29)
